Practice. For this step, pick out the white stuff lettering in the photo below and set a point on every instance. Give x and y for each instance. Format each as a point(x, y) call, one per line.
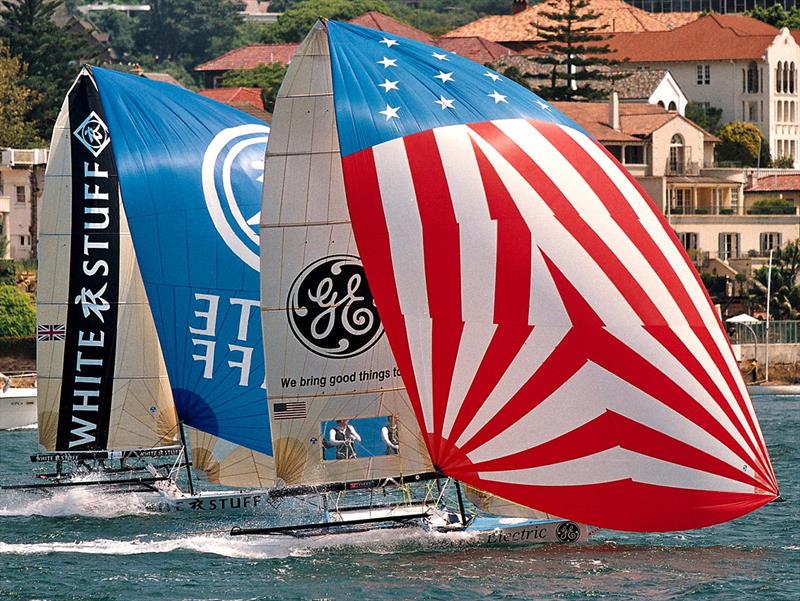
point(90, 369)
point(234, 319)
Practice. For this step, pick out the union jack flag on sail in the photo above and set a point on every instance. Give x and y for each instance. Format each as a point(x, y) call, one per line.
point(557, 346)
point(50, 332)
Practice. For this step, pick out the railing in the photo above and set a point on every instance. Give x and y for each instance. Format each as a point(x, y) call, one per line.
point(685, 168)
point(780, 332)
point(13, 157)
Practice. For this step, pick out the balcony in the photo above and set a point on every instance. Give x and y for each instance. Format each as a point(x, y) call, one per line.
point(674, 168)
point(14, 157)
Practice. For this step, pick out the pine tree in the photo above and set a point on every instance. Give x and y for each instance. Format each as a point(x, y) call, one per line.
point(16, 101)
point(573, 53)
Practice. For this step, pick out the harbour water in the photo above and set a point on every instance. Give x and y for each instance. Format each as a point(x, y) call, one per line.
point(80, 545)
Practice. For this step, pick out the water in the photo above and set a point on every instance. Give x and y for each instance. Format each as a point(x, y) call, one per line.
point(80, 545)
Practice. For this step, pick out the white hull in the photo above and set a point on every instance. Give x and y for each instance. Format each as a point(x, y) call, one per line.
point(520, 531)
point(234, 501)
point(17, 408)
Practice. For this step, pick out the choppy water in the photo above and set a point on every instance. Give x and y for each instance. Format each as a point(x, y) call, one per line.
point(81, 545)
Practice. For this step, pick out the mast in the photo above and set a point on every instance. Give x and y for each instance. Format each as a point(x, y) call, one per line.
point(461, 503)
point(186, 458)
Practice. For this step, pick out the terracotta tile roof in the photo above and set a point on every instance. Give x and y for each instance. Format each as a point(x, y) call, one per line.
point(234, 96)
point(638, 84)
point(674, 20)
point(734, 37)
point(474, 48)
point(783, 182)
point(381, 22)
point(637, 120)
point(615, 16)
point(249, 57)
point(164, 77)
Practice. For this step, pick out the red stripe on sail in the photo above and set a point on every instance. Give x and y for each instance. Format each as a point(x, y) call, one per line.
point(674, 240)
point(623, 214)
point(512, 293)
point(372, 238)
point(629, 505)
point(441, 249)
point(568, 216)
point(607, 431)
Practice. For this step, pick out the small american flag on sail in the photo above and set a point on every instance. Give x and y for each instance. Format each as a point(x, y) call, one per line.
point(289, 410)
point(49, 332)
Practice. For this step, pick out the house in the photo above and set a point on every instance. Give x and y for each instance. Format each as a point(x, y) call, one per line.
point(240, 98)
point(381, 22)
point(519, 30)
point(672, 159)
point(474, 48)
point(654, 86)
point(21, 182)
point(738, 64)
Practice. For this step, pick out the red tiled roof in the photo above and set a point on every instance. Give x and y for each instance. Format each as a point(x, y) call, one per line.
point(733, 36)
point(784, 182)
point(674, 20)
point(379, 21)
point(235, 96)
point(474, 48)
point(614, 15)
point(249, 57)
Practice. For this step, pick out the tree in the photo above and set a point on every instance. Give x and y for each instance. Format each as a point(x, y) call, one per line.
point(294, 24)
point(268, 77)
point(53, 55)
point(784, 291)
point(16, 101)
point(776, 15)
point(17, 313)
point(190, 31)
point(120, 28)
point(740, 142)
point(706, 117)
point(573, 53)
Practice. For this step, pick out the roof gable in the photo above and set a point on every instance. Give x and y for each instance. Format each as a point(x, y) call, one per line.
point(249, 57)
point(381, 22)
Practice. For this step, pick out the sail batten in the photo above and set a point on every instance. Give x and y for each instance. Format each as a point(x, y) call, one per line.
point(555, 344)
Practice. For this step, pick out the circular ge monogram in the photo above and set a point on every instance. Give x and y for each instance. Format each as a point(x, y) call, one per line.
point(331, 310)
point(568, 532)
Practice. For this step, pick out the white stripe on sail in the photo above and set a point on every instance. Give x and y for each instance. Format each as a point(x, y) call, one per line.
point(478, 256)
point(408, 262)
point(590, 393)
point(582, 271)
point(654, 227)
point(619, 464)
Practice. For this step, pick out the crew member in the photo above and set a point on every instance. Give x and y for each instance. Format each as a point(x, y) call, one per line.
point(389, 435)
point(344, 436)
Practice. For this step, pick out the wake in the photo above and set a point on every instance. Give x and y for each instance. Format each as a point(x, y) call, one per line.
point(73, 502)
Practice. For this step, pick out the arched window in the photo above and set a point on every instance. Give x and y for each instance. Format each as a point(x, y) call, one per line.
point(791, 105)
point(661, 104)
point(778, 77)
point(752, 77)
point(676, 154)
point(791, 78)
point(672, 106)
point(785, 77)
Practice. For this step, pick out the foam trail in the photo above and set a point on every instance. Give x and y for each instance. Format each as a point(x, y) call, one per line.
point(28, 427)
point(73, 501)
point(381, 541)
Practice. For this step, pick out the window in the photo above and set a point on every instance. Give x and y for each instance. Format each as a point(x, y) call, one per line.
point(728, 246)
point(1, 184)
point(616, 152)
point(634, 155)
point(752, 77)
point(752, 111)
point(22, 240)
point(735, 200)
point(676, 152)
point(681, 201)
point(791, 78)
point(672, 106)
point(688, 240)
point(703, 75)
point(778, 77)
point(21, 194)
point(769, 241)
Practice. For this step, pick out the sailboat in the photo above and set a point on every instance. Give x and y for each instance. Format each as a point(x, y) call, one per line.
point(145, 345)
point(442, 248)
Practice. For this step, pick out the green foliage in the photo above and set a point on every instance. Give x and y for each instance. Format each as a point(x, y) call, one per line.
point(707, 118)
point(784, 291)
point(268, 77)
point(514, 74)
point(776, 16)
point(17, 313)
point(188, 31)
point(16, 102)
point(783, 163)
point(294, 24)
point(53, 55)
point(573, 53)
point(8, 271)
point(740, 142)
point(120, 28)
point(772, 206)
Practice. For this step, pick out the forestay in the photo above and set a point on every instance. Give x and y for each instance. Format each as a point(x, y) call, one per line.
point(191, 171)
point(102, 383)
point(557, 347)
point(327, 356)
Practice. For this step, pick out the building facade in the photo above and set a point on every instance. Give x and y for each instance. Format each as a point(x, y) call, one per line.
point(21, 180)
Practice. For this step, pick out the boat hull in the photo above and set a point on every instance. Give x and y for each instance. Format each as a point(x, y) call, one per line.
point(521, 531)
point(17, 408)
point(237, 501)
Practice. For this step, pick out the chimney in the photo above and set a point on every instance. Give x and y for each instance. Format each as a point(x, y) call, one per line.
point(613, 110)
point(517, 6)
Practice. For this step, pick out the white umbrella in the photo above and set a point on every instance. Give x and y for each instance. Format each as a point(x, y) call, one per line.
point(743, 318)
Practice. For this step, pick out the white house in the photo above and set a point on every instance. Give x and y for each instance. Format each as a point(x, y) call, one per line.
point(21, 177)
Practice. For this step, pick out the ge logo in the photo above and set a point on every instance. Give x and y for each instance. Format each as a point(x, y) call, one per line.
point(93, 134)
point(233, 173)
point(331, 310)
point(568, 532)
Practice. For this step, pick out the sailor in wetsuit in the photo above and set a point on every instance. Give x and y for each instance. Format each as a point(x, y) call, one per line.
point(343, 437)
point(389, 435)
